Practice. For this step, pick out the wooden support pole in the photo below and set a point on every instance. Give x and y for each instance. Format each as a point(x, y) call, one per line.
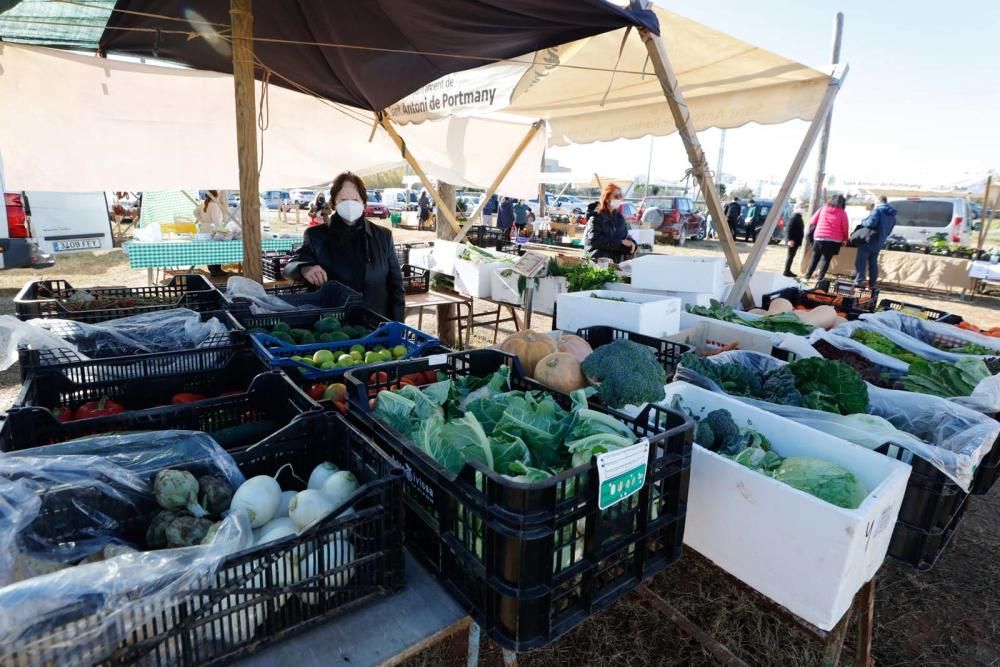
point(537, 125)
point(447, 320)
point(764, 236)
point(986, 205)
point(442, 208)
point(819, 179)
point(241, 12)
point(689, 135)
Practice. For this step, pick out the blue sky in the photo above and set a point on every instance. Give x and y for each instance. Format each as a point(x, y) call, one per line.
point(921, 103)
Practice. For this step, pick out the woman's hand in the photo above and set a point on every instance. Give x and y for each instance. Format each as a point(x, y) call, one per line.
point(791, 244)
point(630, 244)
point(314, 275)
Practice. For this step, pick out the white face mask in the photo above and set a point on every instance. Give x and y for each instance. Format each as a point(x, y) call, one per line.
point(616, 204)
point(350, 211)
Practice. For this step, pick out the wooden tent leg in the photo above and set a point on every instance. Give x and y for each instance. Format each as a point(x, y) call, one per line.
point(834, 644)
point(866, 624)
point(246, 135)
point(718, 651)
point(535, 127)
point(764, 237)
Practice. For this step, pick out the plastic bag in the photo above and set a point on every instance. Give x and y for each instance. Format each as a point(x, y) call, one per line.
point(14, 334)
point(244, 289)
point(951, 437)
point(86, 614)
point(90, 492)
point(159, 331)
point(927, 331)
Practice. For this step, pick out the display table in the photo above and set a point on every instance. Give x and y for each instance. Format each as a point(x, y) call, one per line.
point(908, 269)
point(432, 298)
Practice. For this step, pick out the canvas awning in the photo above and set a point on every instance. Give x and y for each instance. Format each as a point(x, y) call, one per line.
point(74, 122)
point(726, 82)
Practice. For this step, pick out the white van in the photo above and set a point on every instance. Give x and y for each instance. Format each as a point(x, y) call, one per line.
point(399, 199)
point(919, 218)
point(65, 222)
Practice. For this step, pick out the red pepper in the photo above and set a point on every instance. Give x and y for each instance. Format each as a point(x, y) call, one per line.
point(186, 397)
point(316, 391)
point(63, 413)
point(101, 408)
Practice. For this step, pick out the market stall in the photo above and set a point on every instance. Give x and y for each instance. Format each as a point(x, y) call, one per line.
point(906, 269)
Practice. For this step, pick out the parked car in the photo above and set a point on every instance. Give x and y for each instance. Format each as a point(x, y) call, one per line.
point(275, 199)
point(742, 229)
point(302, 198)
point(567, 205)
point(918, 218)
point(19, 250)
point(399, 199)
point(376, 209)
point(630, 210)
point(677, 212)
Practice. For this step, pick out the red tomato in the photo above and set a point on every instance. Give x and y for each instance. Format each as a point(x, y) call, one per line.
point(316, 391)
point(186, 397)
point(101, 408)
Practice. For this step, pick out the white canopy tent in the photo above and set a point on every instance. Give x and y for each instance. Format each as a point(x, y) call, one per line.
point(74, 122)
point(726, 83)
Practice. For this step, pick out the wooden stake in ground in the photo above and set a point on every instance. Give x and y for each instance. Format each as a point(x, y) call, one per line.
point(446, 315)
point(983, 226)
point(241, 12)
point(818, 195)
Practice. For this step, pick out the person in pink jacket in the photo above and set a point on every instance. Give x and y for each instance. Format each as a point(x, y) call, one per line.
point(829, 229)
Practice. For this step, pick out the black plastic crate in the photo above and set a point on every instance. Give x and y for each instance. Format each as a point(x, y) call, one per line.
point(415, 279)
point(243, 607)
point(486, 237)
point(531, 561)
point(850, 305)
point(273, 264)
point(403, 251)
point(932, 505)
point(270, 402)
point(668, 353)
point(304, 297)
point(350, 314)
point(988, 470)
point(46, 298)
point(923, 548)
point(923, 312)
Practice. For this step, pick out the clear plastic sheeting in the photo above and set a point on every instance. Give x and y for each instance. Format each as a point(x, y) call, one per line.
point(848, 344)
point(14, 334)
point(64, 504)
point(160, 331)
point(925, 331)
point(89, 613)
point(251, 291)
point(949, 436)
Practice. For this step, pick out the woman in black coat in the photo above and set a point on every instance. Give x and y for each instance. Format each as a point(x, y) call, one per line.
point(606, 234)
point(352, 251)
point(794, 233)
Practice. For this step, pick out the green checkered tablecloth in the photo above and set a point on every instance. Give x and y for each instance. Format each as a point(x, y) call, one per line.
point(182, 254)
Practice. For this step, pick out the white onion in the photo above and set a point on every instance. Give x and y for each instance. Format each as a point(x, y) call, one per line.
point(320, 474)
point(259, 497)
point(308, 507)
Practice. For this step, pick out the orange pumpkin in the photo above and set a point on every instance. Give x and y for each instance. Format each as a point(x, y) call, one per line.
point(529, 346)
point(576, 346)
point(560, 371)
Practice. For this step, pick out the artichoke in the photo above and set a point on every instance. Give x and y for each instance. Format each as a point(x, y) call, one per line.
point(210, 535)
point(177, 490)
point(214, 494)
point(186, 531)
point(155, 535)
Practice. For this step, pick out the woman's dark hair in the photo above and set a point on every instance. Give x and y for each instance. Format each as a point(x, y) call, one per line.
point(838, 201)
point(213, 195)
point(604, 203)
point(348, 177)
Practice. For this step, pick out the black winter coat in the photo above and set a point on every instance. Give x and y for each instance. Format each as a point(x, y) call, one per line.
point(376, 275)
point(604, 234)
point(795, 229)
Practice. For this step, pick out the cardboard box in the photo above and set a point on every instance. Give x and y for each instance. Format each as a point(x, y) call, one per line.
point(680, 273)
point(648, 314)
point(802, 552)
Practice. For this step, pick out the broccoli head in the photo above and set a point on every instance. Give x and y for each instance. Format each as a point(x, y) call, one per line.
point(722, 426)
point(628, 374)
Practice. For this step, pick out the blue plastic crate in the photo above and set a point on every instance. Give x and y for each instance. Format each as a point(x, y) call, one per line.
point(278, 354)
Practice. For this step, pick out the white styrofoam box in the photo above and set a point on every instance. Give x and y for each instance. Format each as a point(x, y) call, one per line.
point(802, 552)
point(547, 289)
point(443, 256)
point(474, 279)
point(421, 257)
point(680, 273)
point(503, 288)
point(689, 320)
point(710, 336)
point(687, 298)
point(765, 282)
point(640, 236)
point(648, 314)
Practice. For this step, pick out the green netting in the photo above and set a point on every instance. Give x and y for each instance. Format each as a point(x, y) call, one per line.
point(160, 207)
point(53, 23)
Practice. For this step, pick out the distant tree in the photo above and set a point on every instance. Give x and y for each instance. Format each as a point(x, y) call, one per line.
point(654, 189)
point(722, 189)
point(743, 192)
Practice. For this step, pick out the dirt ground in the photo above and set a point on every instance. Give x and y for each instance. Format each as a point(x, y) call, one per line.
point(949, 616)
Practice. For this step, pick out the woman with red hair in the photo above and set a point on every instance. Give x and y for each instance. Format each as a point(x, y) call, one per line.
point(606, 234)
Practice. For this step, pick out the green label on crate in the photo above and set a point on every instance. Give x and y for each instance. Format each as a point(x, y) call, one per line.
point(621, 473)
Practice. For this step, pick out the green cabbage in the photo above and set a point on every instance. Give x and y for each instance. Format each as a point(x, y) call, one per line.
point(825, 480)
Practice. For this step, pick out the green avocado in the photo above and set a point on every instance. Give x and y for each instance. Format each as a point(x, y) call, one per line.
point(325, 338)
point(299, 334)
point(281, 326)
point(339, 335)
point(307, 338)
point(326, 325)
point(283, 336)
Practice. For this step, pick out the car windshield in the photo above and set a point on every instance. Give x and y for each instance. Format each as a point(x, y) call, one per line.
point(923, 213)
point(662, 203)
point(684, 205)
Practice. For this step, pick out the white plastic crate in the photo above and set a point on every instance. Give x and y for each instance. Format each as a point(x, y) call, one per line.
point(804, 553)
point(648, 314)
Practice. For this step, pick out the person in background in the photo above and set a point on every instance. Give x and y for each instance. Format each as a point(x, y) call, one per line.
point(352, 251)
point(521, 211)
point(490, 211)
point(732, 212)
point(319, 211)
point(211, 218)
point(505, 219)
point(606, 234)
point(424, 204)
point(753, 220)
point(794, 233)
point(881, 221)
point(830, 230)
